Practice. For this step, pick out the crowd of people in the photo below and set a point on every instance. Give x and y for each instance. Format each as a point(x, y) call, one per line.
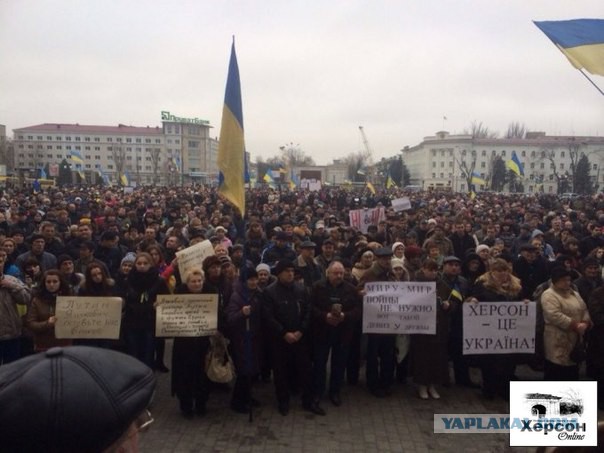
point(290, 280)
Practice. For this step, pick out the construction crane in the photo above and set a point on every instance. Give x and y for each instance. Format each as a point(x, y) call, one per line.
point(368, 152)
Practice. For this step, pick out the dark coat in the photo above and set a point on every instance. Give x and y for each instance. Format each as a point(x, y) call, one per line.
point(429, 353)
point(531, 275)
point(141, 293)
point(462, 244)
point(595, 336)
point(324, 295)
point(245, 345)
point(285, 309)
point(188, 364)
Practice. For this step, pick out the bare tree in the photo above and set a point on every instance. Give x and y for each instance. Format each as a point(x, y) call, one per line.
point(155, 164)
point(479, 130)
point(466, 165)
point(119, 159)
point(565, 178)
point(516, 130)
point(357, 166)
point(295, 157)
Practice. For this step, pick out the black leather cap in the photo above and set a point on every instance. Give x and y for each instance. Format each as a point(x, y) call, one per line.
point(75, 399)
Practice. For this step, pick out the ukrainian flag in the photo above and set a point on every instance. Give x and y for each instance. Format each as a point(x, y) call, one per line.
point(76, 157)
point(580, 40)
point(231, 148)
point(371, 188)
point(390, 182)
point(514, 165)
point(125, 179)
point(478, 179)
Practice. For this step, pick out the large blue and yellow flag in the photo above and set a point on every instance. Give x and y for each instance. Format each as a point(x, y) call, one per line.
point(231, 148)
point(478, 179)
point(125, 179)
point(76, 157)
point(580, 40)
point(515, 165)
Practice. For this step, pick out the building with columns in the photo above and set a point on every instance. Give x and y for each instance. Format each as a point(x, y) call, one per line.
point(439, 161)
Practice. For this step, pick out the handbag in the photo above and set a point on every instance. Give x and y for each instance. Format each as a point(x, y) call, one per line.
point(219, 365)
point(579, 353)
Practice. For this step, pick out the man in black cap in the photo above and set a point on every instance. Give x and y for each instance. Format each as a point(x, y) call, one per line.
point(109, 253)
point(307, 266)
point(280, 250)
point(328, 254)
point(380, 347)
point(531, 268)
point(591, 278)
point(453, 288)
point(76, 399)
point(523, 238)
point(286, 311)
point(46, 260)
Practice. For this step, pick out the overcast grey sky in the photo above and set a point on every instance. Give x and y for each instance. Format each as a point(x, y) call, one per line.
point(311, 71)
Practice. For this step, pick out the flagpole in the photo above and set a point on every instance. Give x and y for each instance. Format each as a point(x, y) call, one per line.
point(592, 82)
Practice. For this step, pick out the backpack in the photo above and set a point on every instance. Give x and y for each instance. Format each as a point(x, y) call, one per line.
point(219, 365)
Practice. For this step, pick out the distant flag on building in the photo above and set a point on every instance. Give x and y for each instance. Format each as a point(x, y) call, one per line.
point(177, 162)
point(580, 40)
point(514, 165)
point(371, 188)
point(390, 182)
point(76, 157)
point(103, 175)
point(82, 176)
point(472, 195)
point(478, 179)
point(292, 185)
point(125, 179)
point(231, 148)
point(42, 173)
point(268, 178)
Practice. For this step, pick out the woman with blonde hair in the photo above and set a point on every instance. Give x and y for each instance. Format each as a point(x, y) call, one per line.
point(496, 285)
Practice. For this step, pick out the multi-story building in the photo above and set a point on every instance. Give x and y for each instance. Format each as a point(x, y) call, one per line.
point(180, 151)
point(442, 161)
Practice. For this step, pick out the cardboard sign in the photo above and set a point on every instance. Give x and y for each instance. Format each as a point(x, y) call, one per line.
point(193, 256)
point(401, 204)
point(400, 307)
point(499, 327)
point(186, 315)
point(88, 317)
point(360, 219)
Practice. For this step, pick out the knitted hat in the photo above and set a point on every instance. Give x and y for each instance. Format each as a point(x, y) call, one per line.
point(129, 258)
point(263, 267)
point(71, 399)
point(282, 266)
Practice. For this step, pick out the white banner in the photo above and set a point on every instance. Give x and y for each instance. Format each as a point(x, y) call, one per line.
point(360, 219)
point(401, 204)
point(400, 307)
point(88, 317)
point(193, 256)
point(499, 327)
point(186, 315)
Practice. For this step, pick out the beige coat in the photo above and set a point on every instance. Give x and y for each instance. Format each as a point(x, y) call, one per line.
point(561, 314)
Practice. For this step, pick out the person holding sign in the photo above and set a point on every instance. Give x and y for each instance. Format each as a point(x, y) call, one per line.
point(381, 357)
point(41, 317)
point(190, 383)
point(497, 285)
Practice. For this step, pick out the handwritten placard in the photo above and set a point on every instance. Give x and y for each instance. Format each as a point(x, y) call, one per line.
point(401, 204)
point(186, 315)
point(193, 256)
point(400, 307)
point(499, 327)
point(88, 317)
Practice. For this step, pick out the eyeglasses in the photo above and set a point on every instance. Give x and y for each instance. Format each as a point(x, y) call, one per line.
point(143, 421)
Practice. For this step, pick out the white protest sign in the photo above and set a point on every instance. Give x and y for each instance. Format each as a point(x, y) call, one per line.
point(360, 219)
point(193, 256)
point(400, 307)
point(401, 204)
point(499, 327)
point(186, 315)
point(88, 317)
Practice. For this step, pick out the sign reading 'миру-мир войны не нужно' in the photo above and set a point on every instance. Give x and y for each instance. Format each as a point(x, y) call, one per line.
point(400, 307)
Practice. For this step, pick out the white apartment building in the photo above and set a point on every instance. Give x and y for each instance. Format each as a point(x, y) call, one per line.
point(180, 151)
point(436, 161)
